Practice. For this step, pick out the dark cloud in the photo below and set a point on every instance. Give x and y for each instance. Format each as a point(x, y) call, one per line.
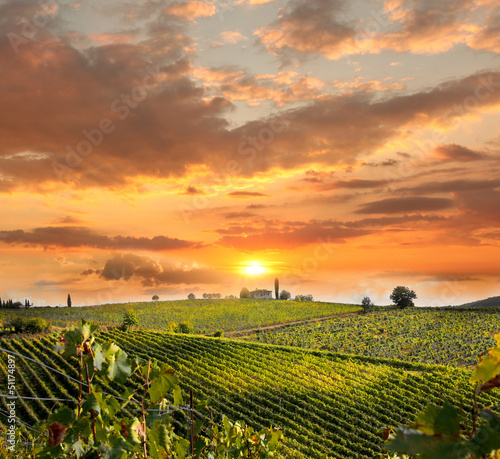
point(454, 152)
point(356, 184)
point(291, 235)
point(402, 205)
point(306, 27)
point(68, 220)
point(238, 215)
point(192, 190)
point(247, 194)
point(483, 205)
point(452, 186)
point(72, 236)
point(126, 266)
point(258, 206)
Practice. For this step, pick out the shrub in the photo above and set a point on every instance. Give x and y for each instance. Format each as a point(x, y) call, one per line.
point(185, 327)
point(25, 325)
point(37, 325)
point(172, 327)
point(367, 304)
point(219, 333)
point(285, 295)
point(130, 319)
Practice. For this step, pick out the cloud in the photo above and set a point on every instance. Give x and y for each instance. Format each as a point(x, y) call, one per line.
point(126, 266)
point(180, 125)
point(306, 27)
point(232, 37)
point(452, 186)
point(235, 83)
point(454, 152)
point(405, 205)
point(190, 190)
point(481, 205)
point(247, 194)
point(488, 37)
point(290, 235)
point(191, 10)
point(73, 236)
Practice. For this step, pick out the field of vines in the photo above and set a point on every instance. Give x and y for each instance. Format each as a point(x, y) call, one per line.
point(207, 316)
point(328, 405)
point(446, 337)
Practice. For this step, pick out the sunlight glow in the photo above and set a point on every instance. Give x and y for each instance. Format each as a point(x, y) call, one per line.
point(254, 269)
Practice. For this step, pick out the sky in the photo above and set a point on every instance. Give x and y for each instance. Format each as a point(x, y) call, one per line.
point(155, 147)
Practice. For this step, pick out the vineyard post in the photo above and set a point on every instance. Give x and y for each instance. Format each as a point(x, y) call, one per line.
point(92, 412)
point(192, 422)
point(146, 387)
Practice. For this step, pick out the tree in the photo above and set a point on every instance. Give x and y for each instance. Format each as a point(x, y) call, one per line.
point(245, 293)
point(403, 297)
point(307, 297)
point(155, 298)
point(285, 295)
point(191, 296)
point(130, 319)
point(367, 304)
point(69, 300)
point(277, 287)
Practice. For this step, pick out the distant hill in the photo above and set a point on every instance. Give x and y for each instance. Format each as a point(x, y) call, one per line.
point(487, 303)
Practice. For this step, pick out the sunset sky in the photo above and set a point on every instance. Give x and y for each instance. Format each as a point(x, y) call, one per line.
point(159, 147)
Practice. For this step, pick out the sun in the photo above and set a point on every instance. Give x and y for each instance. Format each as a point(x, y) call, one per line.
point(254, 269)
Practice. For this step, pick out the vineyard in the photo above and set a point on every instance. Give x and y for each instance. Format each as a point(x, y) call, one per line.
point(207, 316)
point(328, 405)
point(447, 337)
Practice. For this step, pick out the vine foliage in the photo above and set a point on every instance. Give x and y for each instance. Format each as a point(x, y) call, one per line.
point(138, 422)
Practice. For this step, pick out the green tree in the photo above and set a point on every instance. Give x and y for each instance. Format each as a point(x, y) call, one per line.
point(191, 296)
point(245, 293)
point(130, 319)
point(285, 295)
point(367, 304)
point(155, 298)
point(69, 300)
point(403, 297)
point(277, 287)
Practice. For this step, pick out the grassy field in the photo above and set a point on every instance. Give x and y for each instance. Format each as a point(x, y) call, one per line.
point(450, 337)
point(207, 316)
point(328, 405)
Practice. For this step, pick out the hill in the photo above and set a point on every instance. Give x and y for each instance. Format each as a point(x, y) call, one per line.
point(434, 336)
point(206, 316)
point(328, 405)
point(487, 303)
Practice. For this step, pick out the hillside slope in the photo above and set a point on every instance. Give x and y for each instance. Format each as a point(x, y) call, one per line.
point(486, 303)
point(328, 405)
point(434, 336)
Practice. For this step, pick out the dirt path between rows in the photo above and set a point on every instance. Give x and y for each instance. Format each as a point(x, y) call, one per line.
point(249, 331)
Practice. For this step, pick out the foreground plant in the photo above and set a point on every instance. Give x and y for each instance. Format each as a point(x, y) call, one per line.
point(438, 432)
point(138, 422)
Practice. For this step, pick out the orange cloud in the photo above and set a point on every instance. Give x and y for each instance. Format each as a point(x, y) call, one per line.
point(191, 10)
point(232, 37)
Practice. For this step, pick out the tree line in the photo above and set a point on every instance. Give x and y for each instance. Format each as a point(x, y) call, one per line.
point(10, 304)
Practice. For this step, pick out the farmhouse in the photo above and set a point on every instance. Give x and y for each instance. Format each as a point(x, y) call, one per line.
point(261, 293)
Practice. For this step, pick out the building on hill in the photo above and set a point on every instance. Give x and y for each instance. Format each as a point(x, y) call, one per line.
point(261, 293)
